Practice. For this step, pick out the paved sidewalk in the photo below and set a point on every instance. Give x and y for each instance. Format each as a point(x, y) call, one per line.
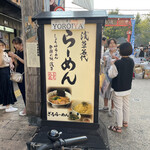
point(14, 129)
point(137, 135)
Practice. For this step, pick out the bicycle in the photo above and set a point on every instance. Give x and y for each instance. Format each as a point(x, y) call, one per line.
point(57, 143)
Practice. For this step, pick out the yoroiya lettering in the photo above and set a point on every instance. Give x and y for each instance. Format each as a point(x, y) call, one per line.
point(67, 26)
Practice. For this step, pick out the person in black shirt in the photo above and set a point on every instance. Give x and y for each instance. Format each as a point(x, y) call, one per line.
point(121, 72)
point(19, 56)
point(141, 52)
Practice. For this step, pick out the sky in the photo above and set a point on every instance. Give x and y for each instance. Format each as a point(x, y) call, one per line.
point(141, 6)
point(125, 6)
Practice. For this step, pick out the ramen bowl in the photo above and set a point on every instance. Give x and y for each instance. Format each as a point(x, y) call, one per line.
point(59, 101)
point(84, 108)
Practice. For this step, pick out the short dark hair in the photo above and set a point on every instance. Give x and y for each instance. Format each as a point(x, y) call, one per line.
point(111, 40)
point(17, 40)
point(104, 38)
point(141, 45)
point(125, 49)
point(13, 41)
point(2, 42)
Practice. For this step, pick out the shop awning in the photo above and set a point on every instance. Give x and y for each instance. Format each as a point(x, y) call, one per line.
point(86, 4)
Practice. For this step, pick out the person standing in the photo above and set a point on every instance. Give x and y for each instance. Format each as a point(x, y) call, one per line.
point(110, 54)
point(7, 97)
point(121, 73)
point(136, 52)
point(19, 56)
point(104, 42)
point(53, 5)
point(141, 52)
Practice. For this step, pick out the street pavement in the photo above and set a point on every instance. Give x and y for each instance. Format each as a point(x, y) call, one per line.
point(15, 130)
point(137, 135)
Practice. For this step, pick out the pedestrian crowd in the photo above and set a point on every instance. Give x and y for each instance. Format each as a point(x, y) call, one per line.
point(117, 65)
point(143, 52)
point(9, 62)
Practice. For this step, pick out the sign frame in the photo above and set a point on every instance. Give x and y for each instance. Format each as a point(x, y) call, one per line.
point(45, 18)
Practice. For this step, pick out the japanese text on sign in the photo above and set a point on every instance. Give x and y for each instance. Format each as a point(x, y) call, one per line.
point(84, 39)
point(68, 64)
point(56, 114)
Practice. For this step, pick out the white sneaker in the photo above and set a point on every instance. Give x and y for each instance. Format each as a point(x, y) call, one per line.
point(11, 109)
point(2, 107)
point(22, 113)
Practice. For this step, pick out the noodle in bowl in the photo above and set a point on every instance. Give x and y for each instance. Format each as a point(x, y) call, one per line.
point(84, 108)
point(57, 101)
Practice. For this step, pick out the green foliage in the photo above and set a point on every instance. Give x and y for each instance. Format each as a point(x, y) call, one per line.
point(114, 12)
point(137, 21)
point(142, 30)
point(143, 36)
point(115, 32)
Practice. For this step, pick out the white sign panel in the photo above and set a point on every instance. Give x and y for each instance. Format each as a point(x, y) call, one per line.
point(67, 24)
point(33, 58)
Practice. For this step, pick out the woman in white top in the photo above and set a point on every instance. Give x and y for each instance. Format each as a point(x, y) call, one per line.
point(7, 97)
point(109, 54)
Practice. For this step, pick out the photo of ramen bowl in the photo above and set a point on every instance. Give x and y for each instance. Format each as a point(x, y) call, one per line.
point(84, 108)
point(74, 116)
point(58, 99)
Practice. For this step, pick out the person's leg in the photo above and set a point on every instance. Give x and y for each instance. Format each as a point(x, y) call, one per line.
point(118, 104)
point(126, 110)
point(112, 104)
point(105, 102)
point(107, 96)
point(111, 111)
point(118, 114)
point(7, 97)
point(22, 90)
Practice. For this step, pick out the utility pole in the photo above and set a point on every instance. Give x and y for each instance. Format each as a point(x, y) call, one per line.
point(29, 9)
point(31, 56)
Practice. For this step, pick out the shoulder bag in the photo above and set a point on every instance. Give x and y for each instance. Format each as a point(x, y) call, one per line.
point(16, 77)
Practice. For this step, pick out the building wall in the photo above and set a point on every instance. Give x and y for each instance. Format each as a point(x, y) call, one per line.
point(10, 22)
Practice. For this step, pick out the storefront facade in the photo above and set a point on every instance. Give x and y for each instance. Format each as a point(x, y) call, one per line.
point(10, 22)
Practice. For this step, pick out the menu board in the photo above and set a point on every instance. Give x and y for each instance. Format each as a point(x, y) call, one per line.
point(70, 73)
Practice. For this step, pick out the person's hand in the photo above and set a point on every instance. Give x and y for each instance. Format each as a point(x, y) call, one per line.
point(11, 66)
point(115, 57)
point(12, 55)
point(104, 58)
point(113, 61)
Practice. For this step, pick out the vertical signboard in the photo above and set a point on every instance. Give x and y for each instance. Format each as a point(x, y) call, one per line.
point(32, 50)
point(70, 51)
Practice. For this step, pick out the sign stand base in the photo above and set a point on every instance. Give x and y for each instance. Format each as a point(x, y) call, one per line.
point(96, 134)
